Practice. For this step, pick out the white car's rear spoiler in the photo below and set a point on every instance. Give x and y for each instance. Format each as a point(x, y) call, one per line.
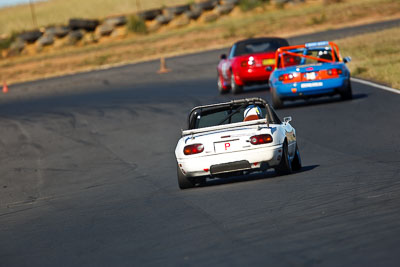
point(224, 126)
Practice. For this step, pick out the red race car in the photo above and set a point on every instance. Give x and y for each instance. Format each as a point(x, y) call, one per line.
point(247, 62)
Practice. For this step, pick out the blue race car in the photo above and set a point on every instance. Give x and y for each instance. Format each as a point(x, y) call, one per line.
point(309, 70)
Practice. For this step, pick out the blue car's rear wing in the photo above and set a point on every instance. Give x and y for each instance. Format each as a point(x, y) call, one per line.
point(314, 44)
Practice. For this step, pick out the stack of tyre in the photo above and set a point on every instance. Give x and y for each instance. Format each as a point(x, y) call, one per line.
point(73, 32)
point(189, 11)
point(77, 27)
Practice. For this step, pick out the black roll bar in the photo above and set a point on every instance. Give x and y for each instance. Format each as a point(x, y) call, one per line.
point(242, 102)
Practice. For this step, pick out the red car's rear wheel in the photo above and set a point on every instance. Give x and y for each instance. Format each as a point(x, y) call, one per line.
point(236, 89)
point(222, 89)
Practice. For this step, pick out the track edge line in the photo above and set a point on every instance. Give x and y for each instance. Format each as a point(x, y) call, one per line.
point(386, 88)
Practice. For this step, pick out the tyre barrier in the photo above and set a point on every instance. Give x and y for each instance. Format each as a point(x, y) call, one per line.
point(280, 2)
point(49, 31)
point(224, 9)
point(57, 31)
point(105, 29)
point(30, 36)
point(233, 2)
point(45, 40)
point(149, 14)
point(116, 21)
point(163, 19)
point(83, 24)
point(194, 13)
point(206, 5)
point(61, 31)
point(177, 10)
point(74, 36)
point(177, 16)
point(16, 47)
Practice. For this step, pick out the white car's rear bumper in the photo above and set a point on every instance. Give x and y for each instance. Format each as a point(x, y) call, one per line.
point(200, 165)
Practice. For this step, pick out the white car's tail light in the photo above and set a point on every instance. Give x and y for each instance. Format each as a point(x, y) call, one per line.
point(261, 139)
point(193, 149)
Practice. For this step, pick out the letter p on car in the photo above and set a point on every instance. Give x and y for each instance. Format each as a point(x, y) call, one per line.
point(227, 145)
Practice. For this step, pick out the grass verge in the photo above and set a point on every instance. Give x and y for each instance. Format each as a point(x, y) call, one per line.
point(375, 56)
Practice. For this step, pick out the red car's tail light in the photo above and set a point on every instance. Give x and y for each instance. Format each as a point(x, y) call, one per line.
point(286, 77)
point(334, 72)
point(261, 139)
point(193, 149)
point(251, 61)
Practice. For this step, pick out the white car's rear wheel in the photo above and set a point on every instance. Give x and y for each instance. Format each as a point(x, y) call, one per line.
point(296, 164)
point(183, 181)
point(285, 166)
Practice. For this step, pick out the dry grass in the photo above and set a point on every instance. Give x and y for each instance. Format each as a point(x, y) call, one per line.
point(198, 36)
point(375, 56)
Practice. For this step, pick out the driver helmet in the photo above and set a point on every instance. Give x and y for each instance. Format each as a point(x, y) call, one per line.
point(324, 54)
point(252, 112)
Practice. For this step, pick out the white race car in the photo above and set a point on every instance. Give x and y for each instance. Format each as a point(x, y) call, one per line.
point(235, 138)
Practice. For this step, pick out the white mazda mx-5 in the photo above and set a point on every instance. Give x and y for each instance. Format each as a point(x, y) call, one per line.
point(235, 138)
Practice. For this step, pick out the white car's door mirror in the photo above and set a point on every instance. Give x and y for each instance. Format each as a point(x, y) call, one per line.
point(287, 119)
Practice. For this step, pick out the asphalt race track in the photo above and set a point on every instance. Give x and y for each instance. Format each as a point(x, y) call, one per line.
point(88, 177)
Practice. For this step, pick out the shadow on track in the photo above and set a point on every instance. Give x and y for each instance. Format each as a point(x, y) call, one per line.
point(320, 101)
point(256, 88)
point(248, 91)
point(252, 177)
